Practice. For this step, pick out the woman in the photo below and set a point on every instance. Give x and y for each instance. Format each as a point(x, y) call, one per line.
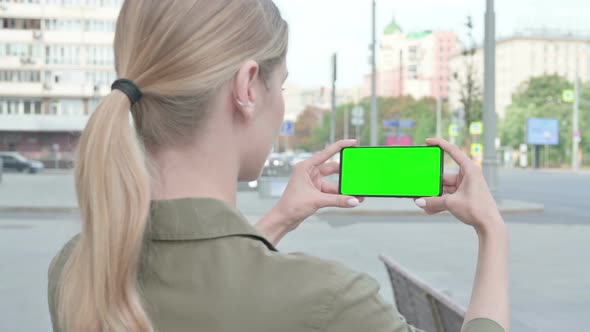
point(162, 246)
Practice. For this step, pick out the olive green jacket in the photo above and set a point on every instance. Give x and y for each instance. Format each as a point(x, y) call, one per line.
point(205, 268)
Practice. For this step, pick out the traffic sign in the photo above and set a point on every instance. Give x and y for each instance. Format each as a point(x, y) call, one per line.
point(477, 150)
point(357, 121)
point(476, 128)
point(399, 123)
point(288, 128)
point(358, 112)
point(568, 96)
point(453, 130)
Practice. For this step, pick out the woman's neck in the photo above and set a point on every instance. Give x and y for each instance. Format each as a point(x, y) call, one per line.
point(203, 171)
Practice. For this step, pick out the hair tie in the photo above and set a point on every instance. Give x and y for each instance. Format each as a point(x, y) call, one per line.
point(129, 88)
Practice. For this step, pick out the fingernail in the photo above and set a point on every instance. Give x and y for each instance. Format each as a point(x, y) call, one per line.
point(420, 202)
point(353, 202)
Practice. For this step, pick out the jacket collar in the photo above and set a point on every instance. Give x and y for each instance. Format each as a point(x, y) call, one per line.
point(199, 219)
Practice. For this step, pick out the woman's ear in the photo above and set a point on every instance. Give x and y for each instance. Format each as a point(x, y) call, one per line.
point(244, 88)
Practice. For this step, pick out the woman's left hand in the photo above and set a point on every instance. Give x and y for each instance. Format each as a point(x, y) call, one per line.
point(306, 193)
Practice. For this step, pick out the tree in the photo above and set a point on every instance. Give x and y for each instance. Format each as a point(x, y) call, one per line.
point(307, 123)
point(541, 97)
point(470, 91)
point(422, 111)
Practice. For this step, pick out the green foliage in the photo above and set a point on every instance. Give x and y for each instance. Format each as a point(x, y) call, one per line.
point(422, 111)
point(541, 97)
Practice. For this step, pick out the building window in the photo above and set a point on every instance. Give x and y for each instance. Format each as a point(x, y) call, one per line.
point(21, 50)
point(66, 107)
point(100, 56)
point(19, 76)
point(72, 106)
point(20, 24)
point(62, 55)
point(17, 106)
point(54, 107)
point(413, 53)
point(413, 72)
point(63, 25)
point(65, 77)
point(28, 109)
point(94, 3)
point(100, 77)
point(93, 104)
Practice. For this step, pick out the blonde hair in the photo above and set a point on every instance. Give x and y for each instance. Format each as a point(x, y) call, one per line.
point(179, 53)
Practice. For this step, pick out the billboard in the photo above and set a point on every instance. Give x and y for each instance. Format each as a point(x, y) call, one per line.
point(542, 131)
point(399, 141)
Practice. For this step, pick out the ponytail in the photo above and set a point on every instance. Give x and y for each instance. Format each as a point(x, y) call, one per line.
point(211, 40)
point(99, 288)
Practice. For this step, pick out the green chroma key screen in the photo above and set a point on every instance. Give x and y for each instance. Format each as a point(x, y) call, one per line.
point(391, 171)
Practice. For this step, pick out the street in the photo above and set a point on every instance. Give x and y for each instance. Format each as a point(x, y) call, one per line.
point(549, 279)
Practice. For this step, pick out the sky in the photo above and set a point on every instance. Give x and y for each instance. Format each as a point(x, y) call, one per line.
point(319, 28)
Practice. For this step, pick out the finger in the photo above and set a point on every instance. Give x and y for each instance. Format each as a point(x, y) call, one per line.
point(323, 156)
point(330, 188)
point(449, 189)
point(450, 179)
point(432, 205)
point(333, 188)
point(329, 168)
point(460, 158)
point(331, 200)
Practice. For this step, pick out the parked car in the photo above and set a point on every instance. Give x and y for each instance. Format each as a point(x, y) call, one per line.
point(300, 157)
point(276, 165)
point(248, 186)
point(17, 162)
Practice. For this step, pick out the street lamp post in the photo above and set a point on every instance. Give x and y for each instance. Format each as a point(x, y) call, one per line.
point(374, 81)
point(576, 124)
point(346, 119)
point(490, 162)
point(439, 117)
point(333, 115)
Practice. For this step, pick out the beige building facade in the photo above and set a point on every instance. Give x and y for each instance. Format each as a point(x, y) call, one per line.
point(414, 64)
point(520, 58)
point(56, 62)
point(298, 98)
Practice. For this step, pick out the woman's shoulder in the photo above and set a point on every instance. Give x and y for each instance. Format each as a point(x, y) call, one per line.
point(306, 264)
point(61, 257)
point(329, 290)
point(54, 274)
point(325, 278)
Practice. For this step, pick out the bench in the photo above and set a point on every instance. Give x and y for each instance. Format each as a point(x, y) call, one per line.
point(421, 305)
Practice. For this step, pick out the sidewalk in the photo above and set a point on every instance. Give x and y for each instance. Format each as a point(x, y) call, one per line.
point(55, 193)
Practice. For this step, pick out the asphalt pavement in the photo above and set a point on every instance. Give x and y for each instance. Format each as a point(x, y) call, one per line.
point(549, 279)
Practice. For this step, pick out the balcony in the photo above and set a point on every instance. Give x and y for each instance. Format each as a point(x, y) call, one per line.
point(43, 123)
point(23, 10)
point(40, 90)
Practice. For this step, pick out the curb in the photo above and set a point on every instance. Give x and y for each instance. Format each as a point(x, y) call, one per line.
point(37, 209)
point(407, 213)
point(530, 208)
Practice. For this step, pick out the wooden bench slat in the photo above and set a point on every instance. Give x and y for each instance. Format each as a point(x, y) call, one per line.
point(421, 305)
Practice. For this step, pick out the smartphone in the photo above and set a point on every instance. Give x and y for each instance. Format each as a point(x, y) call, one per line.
point(413, 172)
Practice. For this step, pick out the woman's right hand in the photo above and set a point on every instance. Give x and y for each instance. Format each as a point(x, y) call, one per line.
point(466, 194)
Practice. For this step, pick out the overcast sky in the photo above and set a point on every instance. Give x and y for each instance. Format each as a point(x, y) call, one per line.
point(321, 27)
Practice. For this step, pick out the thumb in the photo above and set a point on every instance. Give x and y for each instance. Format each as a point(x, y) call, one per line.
point(341, 201)
point(432, 205)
